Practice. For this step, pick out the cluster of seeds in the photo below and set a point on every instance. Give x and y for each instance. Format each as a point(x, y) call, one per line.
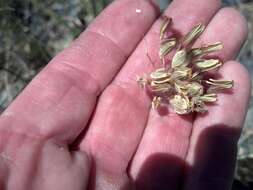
point(184, 85)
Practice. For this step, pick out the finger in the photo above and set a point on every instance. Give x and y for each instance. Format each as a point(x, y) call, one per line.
point(229, 27)
point(212, 152)
point(232, 44)
point(116, 138)
point(167, 135)
point(173, 139)
point(59, 101)
point(50, 166)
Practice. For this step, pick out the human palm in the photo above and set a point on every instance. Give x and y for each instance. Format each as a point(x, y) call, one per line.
point(83, 122)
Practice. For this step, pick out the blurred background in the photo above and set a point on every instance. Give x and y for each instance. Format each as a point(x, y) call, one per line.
point(33, 31)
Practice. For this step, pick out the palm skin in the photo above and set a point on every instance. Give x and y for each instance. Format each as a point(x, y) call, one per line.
point(83, 123)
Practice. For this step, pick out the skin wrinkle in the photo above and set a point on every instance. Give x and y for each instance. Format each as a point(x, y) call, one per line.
point(86, 61)
point(92, 87)
point(71, 131)
point(58, 101)
point(149, 10)
point(7, 135)
point(45, 94)
point(103, 35)
point(18, 132)
point(44, 120)
point(109, 38)
point(51, 105)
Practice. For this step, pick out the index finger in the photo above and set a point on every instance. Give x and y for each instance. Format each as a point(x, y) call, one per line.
point(60, 100)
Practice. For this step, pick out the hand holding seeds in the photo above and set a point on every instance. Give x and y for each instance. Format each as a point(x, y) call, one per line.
point(83, 122)
point(183, 84)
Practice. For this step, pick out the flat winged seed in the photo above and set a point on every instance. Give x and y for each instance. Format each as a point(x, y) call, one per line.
point(181, 58)
point(180, 87)
point(167, 46)
point(159, 73)
point(222, 82)
point(213, 89)
point(213, 48)
point(165, 24)
point(207, 65)
point(199, 52)
point(156, 102)
point(196, 76)
point(208, 98)
point(193, 34)
point(160, 88)
point(161, 81)
point(195, 52)
point(194, 89)
point(182, 73)
point(180, 104)
point(216, 85)
point(198, 105)
point(200, 108)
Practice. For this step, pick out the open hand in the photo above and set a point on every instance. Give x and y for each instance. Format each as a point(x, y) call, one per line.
point(83, 122)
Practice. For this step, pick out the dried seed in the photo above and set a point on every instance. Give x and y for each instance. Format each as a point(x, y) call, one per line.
point(194, 89)
point(217, 85)
point(156, 102)
point(193, 34)
point(181, 73)
point(181, 105)
point(167, 46)
point(212, 48)
point(180, 59)
point(201, 107)
point(208, 98)
point(199, 52)
point(160, 74)
point(196, 76)
point(160, 88)
point(221, 82)
point(161, 81)
point(207, 65)
point(198, 105)
point(180, 87)
point(165, 24)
